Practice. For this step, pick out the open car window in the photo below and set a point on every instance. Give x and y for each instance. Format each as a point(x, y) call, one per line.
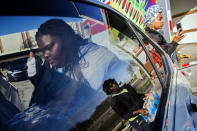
point(71, 97)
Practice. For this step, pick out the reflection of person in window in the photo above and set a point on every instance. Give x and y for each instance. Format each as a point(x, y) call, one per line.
point(127, 103)
point(64, 95)
point(33, 66)
point(64, 53)
point(153, 21)
point(62, 90)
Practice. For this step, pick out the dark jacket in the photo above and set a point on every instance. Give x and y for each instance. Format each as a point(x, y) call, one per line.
point(53, 87)
point(7, 111)
point(157, 37)
point(125, 103)
point(38, 64)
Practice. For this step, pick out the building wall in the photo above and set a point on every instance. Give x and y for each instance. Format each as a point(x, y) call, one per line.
point(12, 42)
point(180, 6)
point(185, 12)
point(32, 34)
point(188, 24)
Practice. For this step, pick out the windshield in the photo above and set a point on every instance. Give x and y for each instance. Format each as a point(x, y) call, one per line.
point(73, 58)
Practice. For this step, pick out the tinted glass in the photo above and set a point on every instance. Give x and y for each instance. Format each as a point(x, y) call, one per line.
point(10, 93)
point(68, 87)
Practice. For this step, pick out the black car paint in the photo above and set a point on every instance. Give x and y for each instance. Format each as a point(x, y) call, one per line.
point(17, 70)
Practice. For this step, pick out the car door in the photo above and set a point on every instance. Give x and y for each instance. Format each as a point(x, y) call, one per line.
point(118, 49)
point(9, 101)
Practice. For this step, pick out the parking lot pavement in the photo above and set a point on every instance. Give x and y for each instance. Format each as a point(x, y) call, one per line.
point(25, 89)
point(188, 65)
point(188, 50)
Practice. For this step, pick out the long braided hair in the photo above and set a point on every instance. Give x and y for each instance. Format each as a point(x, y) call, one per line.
point(71, 41)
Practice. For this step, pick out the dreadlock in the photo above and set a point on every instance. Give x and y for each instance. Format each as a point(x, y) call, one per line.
point(71, 42)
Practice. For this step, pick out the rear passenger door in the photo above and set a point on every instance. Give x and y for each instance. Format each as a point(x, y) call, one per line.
point(118, 50)
point(141, 65)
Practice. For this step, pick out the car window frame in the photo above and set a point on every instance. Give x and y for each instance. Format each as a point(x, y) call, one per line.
point(165, 59)
point(158, 124)
point(132, 29)
point(165, 84)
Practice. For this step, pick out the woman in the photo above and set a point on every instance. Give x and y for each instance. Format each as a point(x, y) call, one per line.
point(153, 21)
point(63, 97)
point(64, 53)
point(34, 63)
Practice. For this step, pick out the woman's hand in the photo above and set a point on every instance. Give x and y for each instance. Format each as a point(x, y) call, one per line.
point(179, 36)
point(144, 112)
point(147, 94)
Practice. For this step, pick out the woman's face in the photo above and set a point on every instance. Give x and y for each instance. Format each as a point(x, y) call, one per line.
point(51, 48)
point(158, 22)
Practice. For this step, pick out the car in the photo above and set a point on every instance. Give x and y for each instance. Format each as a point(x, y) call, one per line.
point(120, 50)
point(10, 102)
point(10, 93)
point(185, 56)
point(17, 70)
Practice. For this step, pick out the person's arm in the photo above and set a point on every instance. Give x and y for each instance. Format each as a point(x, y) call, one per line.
point(132, 113)
point(178, 36)
point(143, 111)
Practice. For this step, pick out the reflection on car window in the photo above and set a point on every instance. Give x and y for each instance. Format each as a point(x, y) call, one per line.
point(79, 56)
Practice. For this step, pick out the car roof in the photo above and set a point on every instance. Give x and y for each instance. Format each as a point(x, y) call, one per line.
point(40, 8)
point(66, 8)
